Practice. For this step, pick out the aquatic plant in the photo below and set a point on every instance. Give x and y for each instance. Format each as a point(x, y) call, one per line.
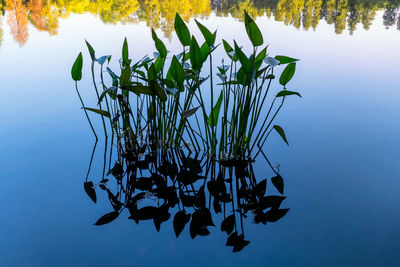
point(160, 100)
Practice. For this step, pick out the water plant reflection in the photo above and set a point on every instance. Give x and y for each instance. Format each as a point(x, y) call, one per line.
point(189, 189)
point(44, 15)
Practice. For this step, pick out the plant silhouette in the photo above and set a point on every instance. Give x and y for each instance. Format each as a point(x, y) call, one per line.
point(191, 190)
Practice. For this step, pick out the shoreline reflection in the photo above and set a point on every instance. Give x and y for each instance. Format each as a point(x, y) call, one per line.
point(44, 15)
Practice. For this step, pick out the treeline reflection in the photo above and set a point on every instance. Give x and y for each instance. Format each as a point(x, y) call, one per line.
point(44, 15)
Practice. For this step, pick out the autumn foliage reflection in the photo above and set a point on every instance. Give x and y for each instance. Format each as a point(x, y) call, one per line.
point(44, 15)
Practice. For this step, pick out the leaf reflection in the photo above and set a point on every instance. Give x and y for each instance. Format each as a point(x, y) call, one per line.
point(198, 193)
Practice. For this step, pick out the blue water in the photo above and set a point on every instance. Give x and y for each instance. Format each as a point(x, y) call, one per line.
point(341, 169)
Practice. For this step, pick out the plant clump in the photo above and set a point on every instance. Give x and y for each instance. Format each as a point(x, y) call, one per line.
point(160, 101)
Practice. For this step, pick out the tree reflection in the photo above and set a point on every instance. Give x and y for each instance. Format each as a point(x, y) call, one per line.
point(18, 20)
point(44, 15)
point(194, 191)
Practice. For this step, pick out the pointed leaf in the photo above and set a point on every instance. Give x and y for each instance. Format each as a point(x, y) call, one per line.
point(187, 113)
point(88, 186)
point(180, 220)
point(285, 59)
point(244, 60)
point(260, 188)
point(281, 133)
point(91, 51)
point(196, 57)
point(76, 71)
point(125, 52)
point(107, 218)
point(159, 44)
point(277, 181)
point(286, 93)
point(213, 118)
point(287, 74)
point(99, 111)
point(182, 30)
point(252, 30)
point(228, 224)
point(208, 36)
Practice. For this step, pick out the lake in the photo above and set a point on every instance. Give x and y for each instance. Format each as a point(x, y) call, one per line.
point(341, 169)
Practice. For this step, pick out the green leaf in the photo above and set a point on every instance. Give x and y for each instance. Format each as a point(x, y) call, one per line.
point(159, 64)
point(177, 72)
point(205, 51)
point(287, 74)
point(213, 118)
point(125, 77)
point(208, 36)
point(285, 59)
point(88, 186)
point(229, 51)
point(196, 57)
point(113, 76)
point(182, 30)
point(281, 133)
point(159, 45)
point(187, 113)
point(140, 89)
point(76, 71)
point(227, 47)
point(91, 51)
point(99, 111)
point(161, 93)
point(261, 55)
point(287, 92)
point(277, 181)
point(244, 60)
point(252, 30)
point(125, 52)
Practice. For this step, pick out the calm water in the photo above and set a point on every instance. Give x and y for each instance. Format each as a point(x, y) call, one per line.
point(341, 170)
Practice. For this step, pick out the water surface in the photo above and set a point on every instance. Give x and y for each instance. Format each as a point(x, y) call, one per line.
point(341, 169)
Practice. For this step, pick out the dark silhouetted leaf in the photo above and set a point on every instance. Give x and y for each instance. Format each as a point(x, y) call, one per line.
point(274, 215)
point(107, 218)
point(180, 220)
point(88, 186)
point(260, 188)
point(271, 202)
point(277, 181)
point(216, 205)
point(228, 224)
